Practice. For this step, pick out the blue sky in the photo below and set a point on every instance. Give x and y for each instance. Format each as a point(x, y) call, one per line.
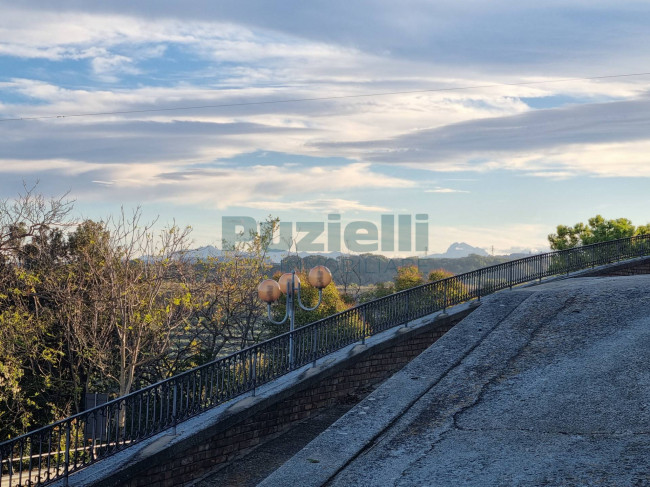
point(496, 166)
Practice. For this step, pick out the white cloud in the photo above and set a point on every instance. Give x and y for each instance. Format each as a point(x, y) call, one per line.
point(108, 66)
point(221, 187)
point(28, 167)
point(335, 205)
point(607, 139)
point(445, 190)
point(624, 159)
point(456, 36)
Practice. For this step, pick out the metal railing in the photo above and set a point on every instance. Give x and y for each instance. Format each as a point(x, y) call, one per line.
point(54, 451)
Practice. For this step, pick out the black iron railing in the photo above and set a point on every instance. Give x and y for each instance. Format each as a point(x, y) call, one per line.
point(54, 451)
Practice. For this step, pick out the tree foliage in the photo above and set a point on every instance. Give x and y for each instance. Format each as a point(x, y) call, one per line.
point(34, 379)
point(408, 277)
point(597, 229)
point(437, 274)
point(108, 306)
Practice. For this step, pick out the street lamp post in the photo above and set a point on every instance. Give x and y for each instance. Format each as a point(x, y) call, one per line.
point(270, 290)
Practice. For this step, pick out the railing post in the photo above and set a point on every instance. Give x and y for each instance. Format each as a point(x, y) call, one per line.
point(67, 454)
point(292, 313)
point(511, 265)
point(406, 324)
point(254, 370)
point(593, 257)
point(174, 411)
point(566, 262)
point(444, 297)
point(363, 321)
point(480, 274)
point(314, 346)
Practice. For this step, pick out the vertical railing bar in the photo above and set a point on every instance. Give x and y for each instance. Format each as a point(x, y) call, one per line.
point(211, 393)
point(146, 421)
point(75, 451)
point(315, 345)
point(93, 436)
point(103, 429)
point(109, 430)
point(20, 462)
point(254, 366)
point(139, 415)
point(31, 448)
point(117, 425)
point(364, 324)
point(193, 391)
point(174, 410)
point(67, 454)
point(445, 291)
point(40, 459)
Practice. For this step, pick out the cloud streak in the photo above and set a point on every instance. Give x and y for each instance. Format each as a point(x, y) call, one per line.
point(222, 186)
point(445, 190)
point(540, 141)
point(335, 205)
point(506, 33)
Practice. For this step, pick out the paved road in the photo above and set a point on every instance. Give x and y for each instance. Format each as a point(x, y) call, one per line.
point(549, 386)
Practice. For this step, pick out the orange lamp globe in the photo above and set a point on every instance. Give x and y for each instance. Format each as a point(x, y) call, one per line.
point(285, 280)
point(320, 276)
point(268, 291)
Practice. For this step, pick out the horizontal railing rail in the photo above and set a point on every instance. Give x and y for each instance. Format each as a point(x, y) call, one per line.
point(55, 451)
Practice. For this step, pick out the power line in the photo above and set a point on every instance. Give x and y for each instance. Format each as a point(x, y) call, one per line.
point(323, 98)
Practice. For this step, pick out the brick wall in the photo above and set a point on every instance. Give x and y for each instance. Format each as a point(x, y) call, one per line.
point(350, 384)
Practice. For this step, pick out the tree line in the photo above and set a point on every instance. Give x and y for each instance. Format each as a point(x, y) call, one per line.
point(114, 305)
point(356, 275)
point(597, 229)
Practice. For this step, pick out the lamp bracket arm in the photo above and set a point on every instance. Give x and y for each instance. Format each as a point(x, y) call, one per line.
point(320, 300)
point(286, 314)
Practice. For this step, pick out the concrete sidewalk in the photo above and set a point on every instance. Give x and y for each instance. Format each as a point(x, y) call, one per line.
point(548, 385)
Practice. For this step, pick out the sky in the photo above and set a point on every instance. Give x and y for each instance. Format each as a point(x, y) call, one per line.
point(496, 134)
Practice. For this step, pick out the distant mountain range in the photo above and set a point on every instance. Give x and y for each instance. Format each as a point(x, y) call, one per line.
point(275, 256)
point(204, 252)
point(456, 250)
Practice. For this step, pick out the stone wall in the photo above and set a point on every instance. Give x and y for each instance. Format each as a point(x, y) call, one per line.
point(349, 383)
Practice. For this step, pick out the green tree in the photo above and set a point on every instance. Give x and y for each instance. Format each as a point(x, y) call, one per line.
point(408, 277)
point(33, 374)
point(567, 237)
point(148, 296)
point(437, 274)
point(376, 291)
point(456, 290)
point(598, 229)
point(643, 229)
